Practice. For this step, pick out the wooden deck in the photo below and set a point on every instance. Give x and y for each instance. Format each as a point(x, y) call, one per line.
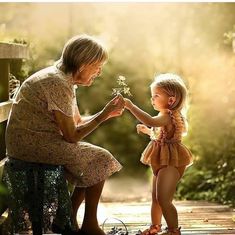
point(130, 203)
point(195, 217)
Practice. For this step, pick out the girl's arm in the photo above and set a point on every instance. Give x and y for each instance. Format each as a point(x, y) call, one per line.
point(148, 120)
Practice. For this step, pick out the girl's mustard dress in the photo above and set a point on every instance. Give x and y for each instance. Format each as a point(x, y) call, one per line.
point(166, 148)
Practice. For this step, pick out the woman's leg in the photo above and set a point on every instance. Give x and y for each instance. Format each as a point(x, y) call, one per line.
point(156, 211)
point(103, 165)
point(167, 180)
point(90, 222)
point(77, 199)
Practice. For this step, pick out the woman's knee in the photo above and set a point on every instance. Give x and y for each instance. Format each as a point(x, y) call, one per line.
point(107, 153)
point(104, 152)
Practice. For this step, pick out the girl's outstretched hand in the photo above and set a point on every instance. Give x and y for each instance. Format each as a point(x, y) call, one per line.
point(128, 103)
point(143, 128)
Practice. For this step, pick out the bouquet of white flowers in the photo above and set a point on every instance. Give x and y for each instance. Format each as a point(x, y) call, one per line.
point(122, 88)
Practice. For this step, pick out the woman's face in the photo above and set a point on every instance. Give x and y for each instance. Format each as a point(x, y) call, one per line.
point(87, 74)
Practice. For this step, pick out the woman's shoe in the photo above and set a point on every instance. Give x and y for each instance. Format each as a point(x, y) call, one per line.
point(81, 232)
point(171, 231)
point(154, 229)
point(66, 231)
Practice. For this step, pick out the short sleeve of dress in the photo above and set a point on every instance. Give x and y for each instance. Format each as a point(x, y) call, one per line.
point(60, 96)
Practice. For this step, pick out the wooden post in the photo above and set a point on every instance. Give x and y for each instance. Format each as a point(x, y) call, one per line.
point(8, 53)
point(4, 96)
point(4, 79)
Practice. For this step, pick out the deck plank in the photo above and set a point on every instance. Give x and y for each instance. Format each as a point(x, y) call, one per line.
point(195, 217)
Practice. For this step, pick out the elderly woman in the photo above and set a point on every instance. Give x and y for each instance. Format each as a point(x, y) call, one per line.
point(45, 125)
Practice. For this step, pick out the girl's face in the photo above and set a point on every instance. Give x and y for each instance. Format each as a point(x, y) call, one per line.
point(160, 99)
point(86, 75)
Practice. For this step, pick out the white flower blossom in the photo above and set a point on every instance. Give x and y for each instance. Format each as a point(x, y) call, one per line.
point(123, 87)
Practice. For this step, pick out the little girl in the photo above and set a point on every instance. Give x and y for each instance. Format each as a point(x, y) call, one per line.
point(165, 153)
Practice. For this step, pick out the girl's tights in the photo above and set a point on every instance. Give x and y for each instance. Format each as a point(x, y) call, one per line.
point(163, 189)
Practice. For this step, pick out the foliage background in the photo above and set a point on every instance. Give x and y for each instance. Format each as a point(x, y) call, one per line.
point(144, 39)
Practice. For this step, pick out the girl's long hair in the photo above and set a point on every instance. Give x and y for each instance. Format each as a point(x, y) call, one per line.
point(174, 86)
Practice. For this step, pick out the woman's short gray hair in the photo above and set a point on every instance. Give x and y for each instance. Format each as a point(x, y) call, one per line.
point(81, 50)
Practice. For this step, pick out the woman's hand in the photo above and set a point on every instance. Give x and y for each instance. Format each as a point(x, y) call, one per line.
point(114, 108)
point(143, 128)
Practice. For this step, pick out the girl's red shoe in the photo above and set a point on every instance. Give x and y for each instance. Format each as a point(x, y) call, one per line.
point(154, 229)
point(171, 231)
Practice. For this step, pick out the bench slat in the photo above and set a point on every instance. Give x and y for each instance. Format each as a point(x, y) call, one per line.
point(2, 162)
point(3, 205)
point(13, 51)
point(5, 108)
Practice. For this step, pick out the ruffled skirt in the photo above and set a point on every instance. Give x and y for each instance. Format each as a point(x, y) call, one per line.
point(158, 155)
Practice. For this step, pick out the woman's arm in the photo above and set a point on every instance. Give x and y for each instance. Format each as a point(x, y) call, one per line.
point(79, 119)
point(84, 119)
point(77, 116)
point(148, 120)
point(73, 133)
